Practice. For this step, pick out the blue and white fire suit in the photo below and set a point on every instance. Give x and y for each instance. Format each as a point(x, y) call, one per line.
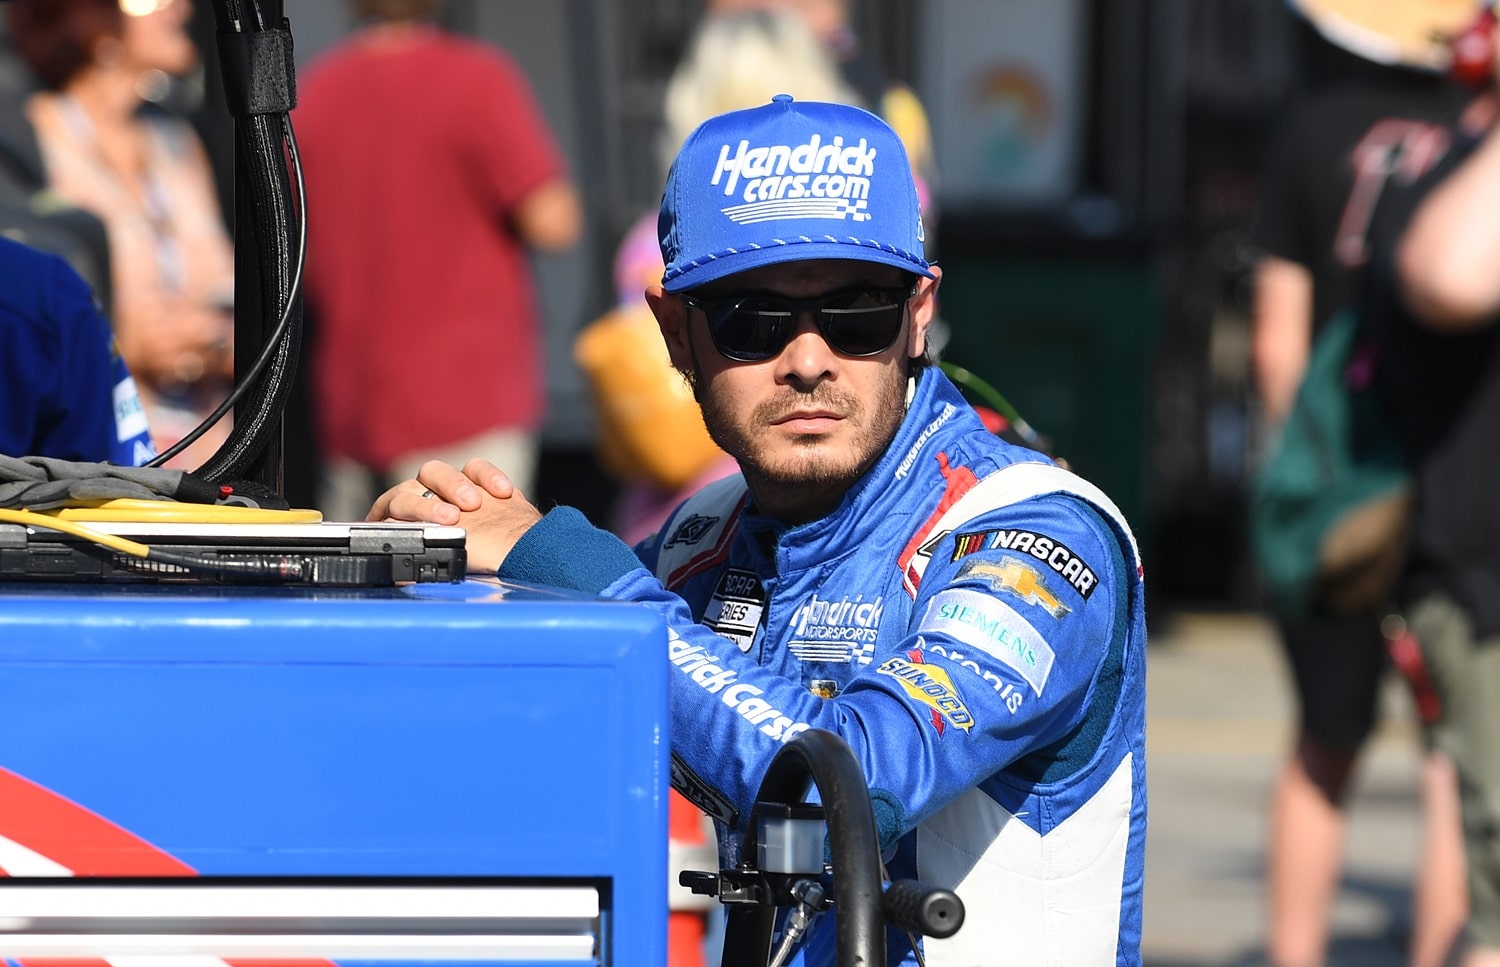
point(970, 619)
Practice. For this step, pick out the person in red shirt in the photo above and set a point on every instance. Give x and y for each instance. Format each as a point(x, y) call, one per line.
point(431, 173)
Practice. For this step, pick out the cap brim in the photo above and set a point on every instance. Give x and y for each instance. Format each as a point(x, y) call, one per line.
point(792, 251)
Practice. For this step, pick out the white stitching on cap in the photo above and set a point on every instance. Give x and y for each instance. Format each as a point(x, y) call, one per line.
point(864, 243)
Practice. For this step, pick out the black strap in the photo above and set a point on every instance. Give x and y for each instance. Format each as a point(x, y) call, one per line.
point(259, 74)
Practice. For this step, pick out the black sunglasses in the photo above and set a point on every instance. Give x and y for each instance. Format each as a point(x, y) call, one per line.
point(856, 322)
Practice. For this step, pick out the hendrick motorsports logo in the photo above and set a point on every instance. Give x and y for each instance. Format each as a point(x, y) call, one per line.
point(809, 180)
point(836, 631)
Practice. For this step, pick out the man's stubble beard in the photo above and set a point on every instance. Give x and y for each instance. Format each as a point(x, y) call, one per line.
point(807, 475)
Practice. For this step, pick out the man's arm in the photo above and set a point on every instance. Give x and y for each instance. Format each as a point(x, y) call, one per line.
point(550, 217)
point(521, 161)
point(1448, 259)
point(1282, 333)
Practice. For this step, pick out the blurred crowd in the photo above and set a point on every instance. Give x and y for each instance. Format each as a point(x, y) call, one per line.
point(1379, 204)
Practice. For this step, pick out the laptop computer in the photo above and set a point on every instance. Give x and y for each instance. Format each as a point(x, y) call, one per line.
point(328, 554)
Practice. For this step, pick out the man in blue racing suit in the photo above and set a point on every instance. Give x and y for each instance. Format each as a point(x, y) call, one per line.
point(966, 615)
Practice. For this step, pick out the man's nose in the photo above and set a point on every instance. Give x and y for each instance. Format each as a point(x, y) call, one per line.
point(807, 353)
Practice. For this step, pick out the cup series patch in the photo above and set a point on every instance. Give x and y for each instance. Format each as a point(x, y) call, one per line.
point(990, 625)
point(736, 608)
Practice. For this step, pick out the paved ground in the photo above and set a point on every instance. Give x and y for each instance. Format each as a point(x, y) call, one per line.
point(1219, 720)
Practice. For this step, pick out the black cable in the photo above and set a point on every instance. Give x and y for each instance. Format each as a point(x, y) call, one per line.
point(259, 73)
point(283, 568)
point(273, 343)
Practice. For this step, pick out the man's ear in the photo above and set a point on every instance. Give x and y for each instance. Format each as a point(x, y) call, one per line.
point(672, 318)
point(923, 311)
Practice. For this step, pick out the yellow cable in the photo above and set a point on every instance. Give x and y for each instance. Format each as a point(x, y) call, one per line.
point(33, 519)
point(129, 509)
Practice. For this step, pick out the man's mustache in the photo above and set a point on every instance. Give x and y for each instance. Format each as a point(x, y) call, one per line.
point(824, 397)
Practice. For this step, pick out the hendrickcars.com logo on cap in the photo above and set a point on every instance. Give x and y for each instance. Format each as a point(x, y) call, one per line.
point(809, 180)
point(803, 180)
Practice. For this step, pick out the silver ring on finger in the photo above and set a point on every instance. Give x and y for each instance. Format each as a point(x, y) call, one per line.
point(428, 495)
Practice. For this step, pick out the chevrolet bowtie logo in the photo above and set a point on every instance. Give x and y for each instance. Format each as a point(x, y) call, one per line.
point(1014, 577)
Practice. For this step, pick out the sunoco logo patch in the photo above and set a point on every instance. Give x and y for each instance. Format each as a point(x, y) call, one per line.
point(932, 687)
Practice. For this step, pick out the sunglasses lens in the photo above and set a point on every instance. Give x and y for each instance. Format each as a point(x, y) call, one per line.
point(752, 329)
point(863, 323)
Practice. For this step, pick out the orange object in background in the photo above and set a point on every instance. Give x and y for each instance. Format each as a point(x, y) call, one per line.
point(690, 840)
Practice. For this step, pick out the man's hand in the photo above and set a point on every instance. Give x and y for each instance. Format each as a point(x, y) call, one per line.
point(480, 498)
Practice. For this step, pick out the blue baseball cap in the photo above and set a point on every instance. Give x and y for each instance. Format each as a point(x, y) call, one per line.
point(788, 181)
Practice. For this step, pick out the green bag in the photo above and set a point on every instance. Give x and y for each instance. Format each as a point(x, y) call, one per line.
point(1330, 505)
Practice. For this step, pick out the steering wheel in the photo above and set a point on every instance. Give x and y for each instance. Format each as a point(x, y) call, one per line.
point(780, 839)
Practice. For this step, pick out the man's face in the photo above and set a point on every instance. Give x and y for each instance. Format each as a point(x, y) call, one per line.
point(805, 423)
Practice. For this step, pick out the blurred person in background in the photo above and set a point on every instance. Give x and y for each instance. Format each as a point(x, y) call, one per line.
point(64, 390)
point(1435, 309)
point(431, 176)
point(649, 435)
point(741, 57)
point(1330, 166)
point(146, 176)
point(870, 84)
point(892, 100)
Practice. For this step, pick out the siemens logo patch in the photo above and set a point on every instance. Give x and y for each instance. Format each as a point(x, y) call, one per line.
point(696, 663)
point(808, 180)
point(1054, 553)
point(993, 627)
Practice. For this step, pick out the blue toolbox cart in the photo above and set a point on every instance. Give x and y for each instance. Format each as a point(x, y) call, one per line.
point(470, 773)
